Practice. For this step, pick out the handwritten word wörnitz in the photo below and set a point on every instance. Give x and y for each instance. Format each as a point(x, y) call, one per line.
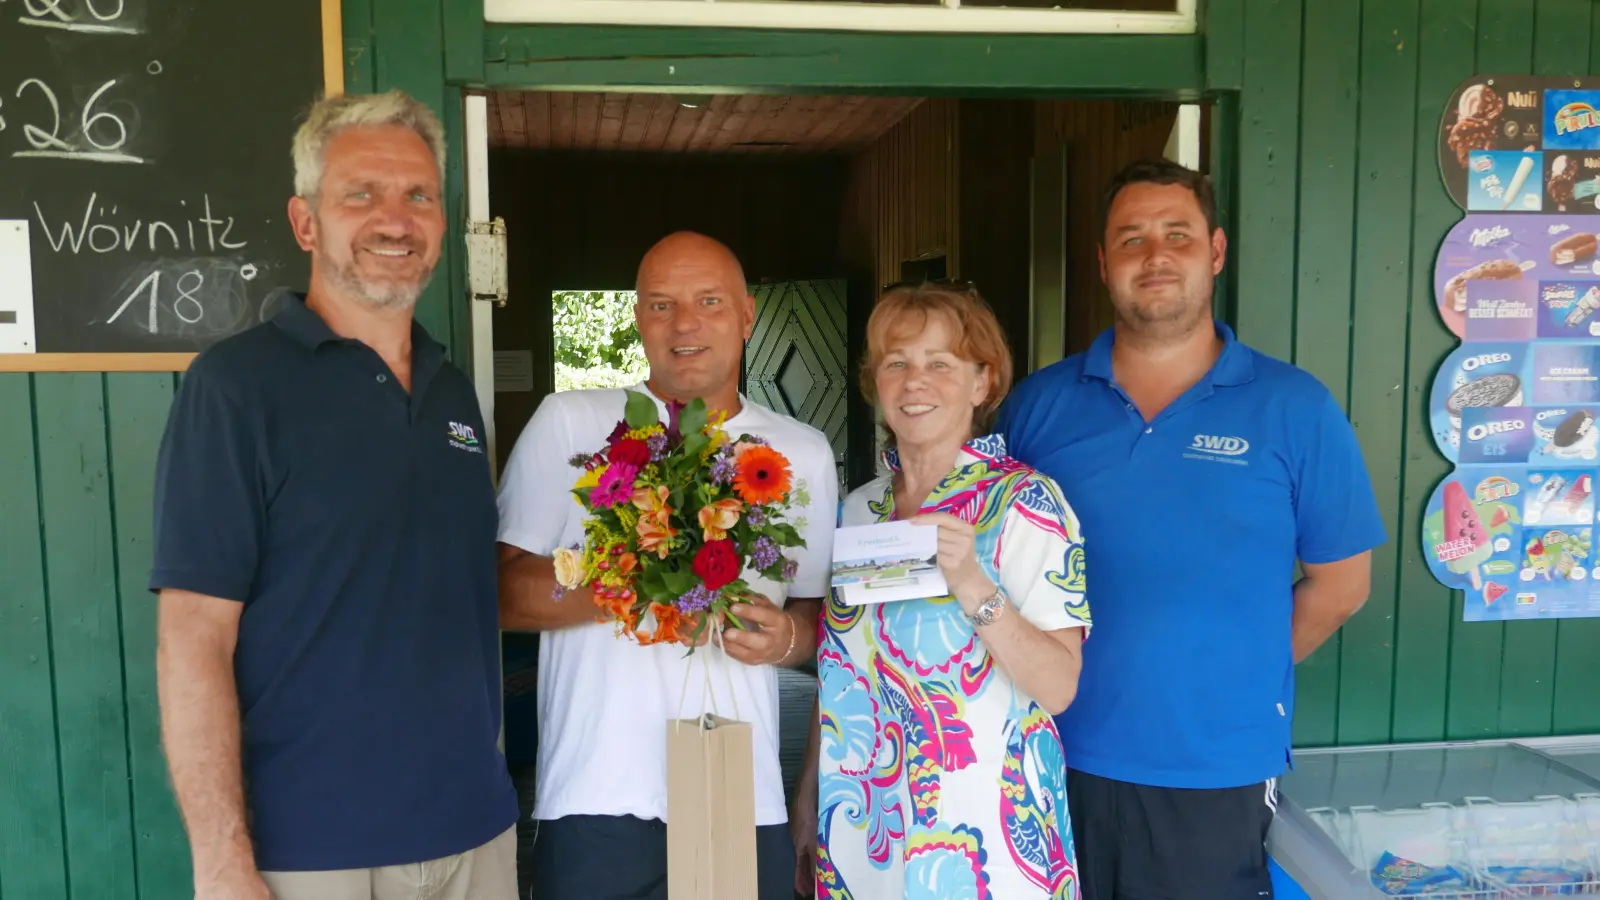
point(117, 234)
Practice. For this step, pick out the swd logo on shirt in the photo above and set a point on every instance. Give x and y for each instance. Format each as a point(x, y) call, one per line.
point(464, 437)
point(1218, 448)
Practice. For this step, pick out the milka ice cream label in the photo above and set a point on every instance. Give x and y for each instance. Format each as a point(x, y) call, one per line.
point(1502, 310)
point(1504, 249)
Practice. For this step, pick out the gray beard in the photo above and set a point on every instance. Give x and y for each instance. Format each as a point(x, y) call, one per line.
point(386, 297)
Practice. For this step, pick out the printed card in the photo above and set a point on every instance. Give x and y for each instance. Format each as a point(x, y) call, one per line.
point(886, 562)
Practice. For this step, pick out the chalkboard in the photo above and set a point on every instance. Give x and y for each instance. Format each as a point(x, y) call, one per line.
point(146, 146)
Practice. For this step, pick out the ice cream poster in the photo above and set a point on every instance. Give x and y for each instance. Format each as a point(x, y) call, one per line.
point(1507, 259)
point(1487, 376)
point(1521, 144)
point(1518, 541)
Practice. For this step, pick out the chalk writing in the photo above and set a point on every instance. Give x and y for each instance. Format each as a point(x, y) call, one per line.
point(108, 237)
point(202, 297)
point(54, 14)
point(50, 143)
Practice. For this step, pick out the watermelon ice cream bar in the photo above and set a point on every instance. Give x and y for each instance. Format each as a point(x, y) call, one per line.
point(1579, 493)
point(1466, 542)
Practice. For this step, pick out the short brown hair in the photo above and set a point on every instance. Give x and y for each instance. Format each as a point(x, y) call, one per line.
point(1161, 171)
point(978, 337)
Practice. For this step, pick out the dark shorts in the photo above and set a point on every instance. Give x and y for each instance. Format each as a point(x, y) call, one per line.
point(1137, 842)
point(625, 858)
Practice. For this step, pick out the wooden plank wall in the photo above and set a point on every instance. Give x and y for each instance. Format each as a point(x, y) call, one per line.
point(901, 200)
point(583, 221)
point(1102, 136)
point(1341, 212)
point(86, 808)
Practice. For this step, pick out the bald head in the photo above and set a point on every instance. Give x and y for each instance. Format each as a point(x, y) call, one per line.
point(692, 250)
point(694, 312)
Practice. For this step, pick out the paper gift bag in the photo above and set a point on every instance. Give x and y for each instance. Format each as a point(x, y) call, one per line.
point(711, 810)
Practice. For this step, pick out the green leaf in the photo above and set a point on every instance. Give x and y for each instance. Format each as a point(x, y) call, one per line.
point(678, 583)
point(692, 419)
point(693, 445)
point(641, 411)
point(785, 535)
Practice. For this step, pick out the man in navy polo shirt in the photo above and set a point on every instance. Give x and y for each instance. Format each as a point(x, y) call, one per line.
point(1203, 471)
point(325, 555)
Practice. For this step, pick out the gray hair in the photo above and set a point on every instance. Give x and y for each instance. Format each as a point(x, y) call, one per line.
point(332, 115)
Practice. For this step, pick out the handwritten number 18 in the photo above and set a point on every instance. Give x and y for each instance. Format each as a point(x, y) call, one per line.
point(186, 294)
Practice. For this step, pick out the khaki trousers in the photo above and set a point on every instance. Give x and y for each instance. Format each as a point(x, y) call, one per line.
point(488, 872)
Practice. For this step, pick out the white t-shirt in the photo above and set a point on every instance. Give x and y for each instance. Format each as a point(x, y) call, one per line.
point(604, 701)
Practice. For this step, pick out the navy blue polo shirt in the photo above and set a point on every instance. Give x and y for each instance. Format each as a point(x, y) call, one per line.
point(356, 523)
point(1192, 526)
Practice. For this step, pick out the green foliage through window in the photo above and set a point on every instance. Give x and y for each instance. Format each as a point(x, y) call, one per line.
point(596, 342)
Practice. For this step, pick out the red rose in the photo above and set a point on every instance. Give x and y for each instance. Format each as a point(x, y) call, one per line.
point(716, 563)
point(632, 451)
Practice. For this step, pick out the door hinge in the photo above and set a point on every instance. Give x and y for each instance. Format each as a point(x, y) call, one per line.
point(486, 260)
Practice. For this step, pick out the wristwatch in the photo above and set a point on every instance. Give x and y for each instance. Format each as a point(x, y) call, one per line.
point(988, 612)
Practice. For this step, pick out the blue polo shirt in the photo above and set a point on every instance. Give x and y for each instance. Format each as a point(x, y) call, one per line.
point(1192, 525)
point(356, 524)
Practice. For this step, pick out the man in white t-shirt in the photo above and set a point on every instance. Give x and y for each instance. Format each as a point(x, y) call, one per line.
point(604, 701)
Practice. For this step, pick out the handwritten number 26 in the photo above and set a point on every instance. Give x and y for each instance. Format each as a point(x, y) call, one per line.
point(50, 140)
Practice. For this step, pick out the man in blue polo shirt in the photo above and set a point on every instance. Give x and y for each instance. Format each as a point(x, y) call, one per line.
point(325, 526)
point(1202, 471)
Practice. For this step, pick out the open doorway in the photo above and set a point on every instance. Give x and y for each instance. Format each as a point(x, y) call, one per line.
point(825, 199)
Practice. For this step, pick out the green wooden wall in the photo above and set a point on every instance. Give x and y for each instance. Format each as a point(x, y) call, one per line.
point(1340, 212)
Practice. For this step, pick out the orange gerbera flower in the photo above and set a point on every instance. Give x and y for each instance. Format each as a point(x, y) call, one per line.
point(761, 475)
point(716, 518)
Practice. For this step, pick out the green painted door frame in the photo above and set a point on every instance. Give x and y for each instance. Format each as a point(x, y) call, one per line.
point(436, 49)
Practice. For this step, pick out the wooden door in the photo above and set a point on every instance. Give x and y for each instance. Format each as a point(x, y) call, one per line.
point(796, 362)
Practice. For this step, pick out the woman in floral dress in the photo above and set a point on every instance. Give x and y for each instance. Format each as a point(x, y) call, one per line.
point(936, 764)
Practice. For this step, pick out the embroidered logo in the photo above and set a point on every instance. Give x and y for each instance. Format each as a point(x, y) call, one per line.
point(1218, 448)
point(463, 437)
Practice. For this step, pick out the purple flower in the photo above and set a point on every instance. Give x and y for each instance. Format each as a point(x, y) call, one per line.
point(616, 486)
point(756, 516)
point(790, 569)
point(722, 467)
point(695, 599)
point(763, 553)
point(658, 446)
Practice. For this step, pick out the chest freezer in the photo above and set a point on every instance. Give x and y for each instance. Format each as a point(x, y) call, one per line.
point(1463, 820)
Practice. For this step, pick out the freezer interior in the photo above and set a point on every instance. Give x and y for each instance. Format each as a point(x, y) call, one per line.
point(1488, 820)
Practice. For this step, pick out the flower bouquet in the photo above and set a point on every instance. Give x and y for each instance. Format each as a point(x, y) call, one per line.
point(677, 512)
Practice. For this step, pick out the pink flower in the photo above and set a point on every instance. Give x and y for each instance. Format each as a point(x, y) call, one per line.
point(616, 486)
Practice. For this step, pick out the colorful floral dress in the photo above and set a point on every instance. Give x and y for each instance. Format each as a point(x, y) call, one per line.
point(937, 778)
